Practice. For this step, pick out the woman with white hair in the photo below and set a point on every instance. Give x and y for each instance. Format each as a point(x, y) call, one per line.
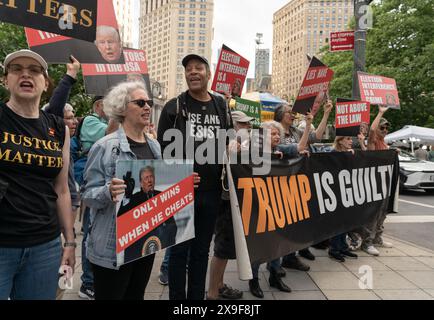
point(129, 104)
point(291, 150)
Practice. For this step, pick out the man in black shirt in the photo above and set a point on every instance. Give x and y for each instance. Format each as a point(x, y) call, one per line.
point(198, 115)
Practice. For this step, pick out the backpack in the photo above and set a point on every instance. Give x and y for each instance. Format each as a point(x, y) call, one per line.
point(78, 154)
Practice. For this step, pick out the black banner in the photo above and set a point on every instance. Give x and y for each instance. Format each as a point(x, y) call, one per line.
point(304, 202)
point(71, 18)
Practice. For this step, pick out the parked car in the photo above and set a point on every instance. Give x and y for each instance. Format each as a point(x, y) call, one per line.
point(415, 174)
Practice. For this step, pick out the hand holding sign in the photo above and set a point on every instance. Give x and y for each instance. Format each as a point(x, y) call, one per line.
point(73, 68)
point(383, 109)
point(328, 107)
point(116, 188)
point(309, 119)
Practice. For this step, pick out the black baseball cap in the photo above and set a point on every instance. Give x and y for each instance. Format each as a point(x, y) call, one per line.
point(97, 98)
point(193, 56)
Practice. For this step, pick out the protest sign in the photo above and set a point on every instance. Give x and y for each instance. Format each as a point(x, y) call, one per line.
point(157, 209)
point(313, 91)
point(107, 47)
point(341, 41)
point(350, 114)
point(378, 90)
point(98, 78)
point(303, 202)
point(71, 18)
point(250, 108)
point(231, 73)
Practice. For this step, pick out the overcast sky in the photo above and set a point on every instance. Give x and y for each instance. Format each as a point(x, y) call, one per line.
point(236, 23)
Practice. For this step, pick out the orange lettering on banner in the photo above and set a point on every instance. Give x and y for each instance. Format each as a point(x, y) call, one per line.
point(86, 18)
point(32, 8)
point(305, 193)
point(291, 198)
point(264, 209)
point(281, 201)
point(247, 185)
point(279, 215)
point(50, 9)
point(10, 4)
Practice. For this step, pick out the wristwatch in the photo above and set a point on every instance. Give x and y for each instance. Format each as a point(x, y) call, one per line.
point(70, 244)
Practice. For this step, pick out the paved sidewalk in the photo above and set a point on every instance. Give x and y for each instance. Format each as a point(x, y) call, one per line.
point(403, 272)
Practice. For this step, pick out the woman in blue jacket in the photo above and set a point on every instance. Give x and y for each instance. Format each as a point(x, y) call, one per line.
point(129, 104)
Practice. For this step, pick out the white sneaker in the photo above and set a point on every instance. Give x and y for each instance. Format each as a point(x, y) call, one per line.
point(372, 251)
point(384, 244)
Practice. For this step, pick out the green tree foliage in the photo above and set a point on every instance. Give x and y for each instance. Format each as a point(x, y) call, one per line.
point(401, 46)
point(12, 38)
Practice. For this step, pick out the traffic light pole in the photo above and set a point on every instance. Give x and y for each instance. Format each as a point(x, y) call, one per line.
point(360, 12)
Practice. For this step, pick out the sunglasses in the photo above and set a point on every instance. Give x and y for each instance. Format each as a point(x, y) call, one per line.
point(33, 69)
point(382, 128)
point(141, 103)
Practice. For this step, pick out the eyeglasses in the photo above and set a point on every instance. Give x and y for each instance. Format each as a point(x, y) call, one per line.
point(141, 103)
point(34, 70)
point(382, 128)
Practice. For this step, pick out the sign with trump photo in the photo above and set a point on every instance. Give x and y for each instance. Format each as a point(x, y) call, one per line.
point(99, 78)
point(157, 209)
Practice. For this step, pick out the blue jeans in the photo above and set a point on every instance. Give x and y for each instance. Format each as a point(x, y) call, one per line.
point(195, 251)
point(30, 273)
point(338, 243)
point(274, 264)
point(87, 276)
point(165, 264)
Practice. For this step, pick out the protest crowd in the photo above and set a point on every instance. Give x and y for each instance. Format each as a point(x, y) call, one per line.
point(52, 167)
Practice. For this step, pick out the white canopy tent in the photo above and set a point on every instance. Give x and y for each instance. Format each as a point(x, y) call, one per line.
point(412, 134)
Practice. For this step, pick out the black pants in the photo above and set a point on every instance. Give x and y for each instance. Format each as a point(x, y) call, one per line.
point(206, 207)
point(127, 283)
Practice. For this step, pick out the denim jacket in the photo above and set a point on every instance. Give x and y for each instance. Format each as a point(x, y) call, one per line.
point(99, 171)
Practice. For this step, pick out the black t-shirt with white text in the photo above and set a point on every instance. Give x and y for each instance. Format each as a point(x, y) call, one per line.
point(204, 125)
point(30, 161)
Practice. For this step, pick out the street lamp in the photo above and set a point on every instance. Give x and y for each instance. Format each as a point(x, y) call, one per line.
point(360, 12)
point(156, 90)
point(158, 94)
